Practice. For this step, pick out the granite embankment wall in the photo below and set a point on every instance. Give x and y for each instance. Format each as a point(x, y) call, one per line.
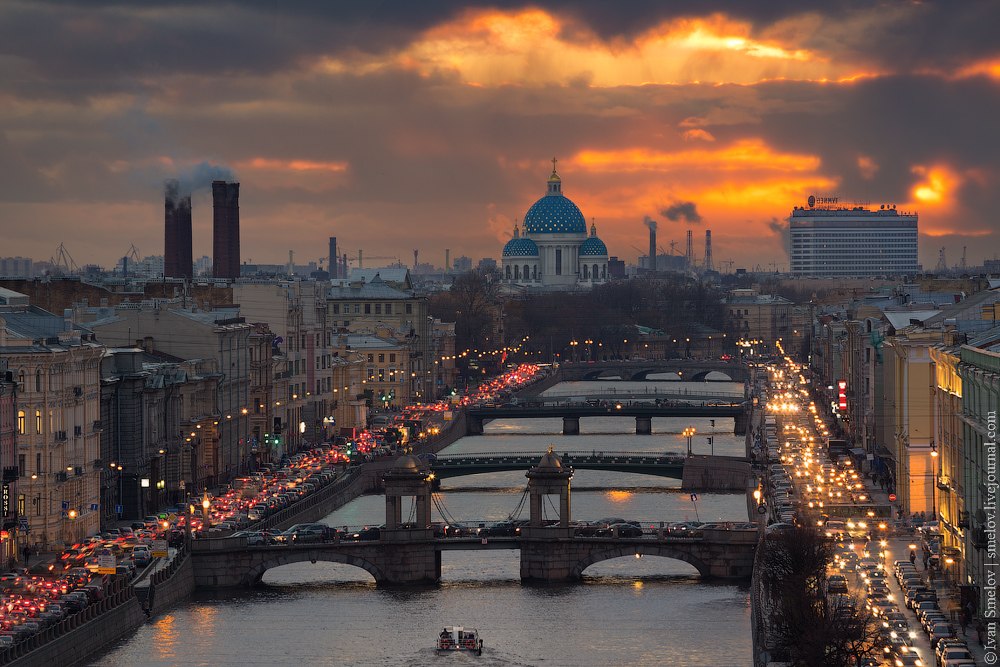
point(171, 585)
point(77, 638)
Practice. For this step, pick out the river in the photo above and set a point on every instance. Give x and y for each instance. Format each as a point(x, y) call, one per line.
point(626, 611)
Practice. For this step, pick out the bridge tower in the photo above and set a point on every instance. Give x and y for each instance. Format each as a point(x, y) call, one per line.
point(409, 554)
point(406, 479)
point(548, 478)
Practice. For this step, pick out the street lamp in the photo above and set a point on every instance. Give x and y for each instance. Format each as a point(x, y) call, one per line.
point(934, 458)
point(205, 504)
point(689, 433)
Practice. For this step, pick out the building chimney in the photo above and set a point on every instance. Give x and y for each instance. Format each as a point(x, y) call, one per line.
point(447, 260)
point(177, 246)
point(652, 245)
point(708, 250)
point(415, 252)
point(225, 230)
point(689, 254)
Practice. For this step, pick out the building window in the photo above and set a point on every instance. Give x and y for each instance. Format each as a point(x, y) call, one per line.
point(38, 463)
point(368, 309)
point(388, 309)
point(392, 357)
point(371, 373)
point(507, 275)
point(38, 421)
point(381, 358)
point(38, 380)
point(336, 309)
point(357, 308)
point(558, 261)
point(20, 464)
point(381, 375)
point(371, 358)
point(20, 422)
point(409, 309)
point(378, 308)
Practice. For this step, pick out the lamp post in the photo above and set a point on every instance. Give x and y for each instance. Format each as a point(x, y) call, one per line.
point(205, 504)
point(934, 458)
point(688, 433)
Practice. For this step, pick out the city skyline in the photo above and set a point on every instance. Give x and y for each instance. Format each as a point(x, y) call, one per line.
point(401, 127)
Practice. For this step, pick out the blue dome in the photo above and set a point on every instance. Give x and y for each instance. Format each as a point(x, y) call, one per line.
point(520, 247)
point(593, 247)
point(554, 214)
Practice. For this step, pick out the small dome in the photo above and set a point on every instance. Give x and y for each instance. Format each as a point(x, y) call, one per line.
point(408, 463)
point(593, 247)
point(520, 247)
point(549, 462)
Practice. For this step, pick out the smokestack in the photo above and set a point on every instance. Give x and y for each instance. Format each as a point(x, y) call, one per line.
point(447, 260)
point(334, 263)
point(415, 251)
point(177, 247)
point(649, 222)
point(225, 230)
point(690, 250)
point(708, 250)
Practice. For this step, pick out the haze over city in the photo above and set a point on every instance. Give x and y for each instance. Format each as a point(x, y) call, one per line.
point(398, 125)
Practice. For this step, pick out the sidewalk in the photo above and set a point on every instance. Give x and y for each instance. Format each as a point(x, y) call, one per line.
point(899, 549)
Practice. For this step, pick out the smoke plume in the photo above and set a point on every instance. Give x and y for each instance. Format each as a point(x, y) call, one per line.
point(682, 210)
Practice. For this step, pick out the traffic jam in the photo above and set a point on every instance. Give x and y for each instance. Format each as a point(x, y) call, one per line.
point(811, 480)
point(38, 597)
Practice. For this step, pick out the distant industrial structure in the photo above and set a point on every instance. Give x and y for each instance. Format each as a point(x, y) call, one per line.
point(225, 230)
point(830, 240)
point(177, 245)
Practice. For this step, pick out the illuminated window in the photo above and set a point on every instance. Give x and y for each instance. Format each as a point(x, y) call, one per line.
point(38, 421)
point(20, 422)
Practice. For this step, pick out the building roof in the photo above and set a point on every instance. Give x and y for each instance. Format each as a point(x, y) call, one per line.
point(374, 289)
point(397, 276)
point(33, 323)
point(900, 319)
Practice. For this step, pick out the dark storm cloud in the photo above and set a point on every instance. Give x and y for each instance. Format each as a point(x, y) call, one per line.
point(682, 210)
point(119, 45)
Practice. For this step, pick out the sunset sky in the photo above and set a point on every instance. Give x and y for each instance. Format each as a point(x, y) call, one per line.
point(431, 125)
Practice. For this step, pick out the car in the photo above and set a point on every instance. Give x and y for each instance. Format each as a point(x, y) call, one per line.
point(954, 655)
point(940, 631)
point(141, 555)
point(836, 583)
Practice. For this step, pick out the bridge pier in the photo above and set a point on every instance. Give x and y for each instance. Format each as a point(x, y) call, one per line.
point(643, 425)
point(571, 426)
point(473, 425)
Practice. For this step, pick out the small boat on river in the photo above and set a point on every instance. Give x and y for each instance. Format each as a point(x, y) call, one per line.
point(458, 638)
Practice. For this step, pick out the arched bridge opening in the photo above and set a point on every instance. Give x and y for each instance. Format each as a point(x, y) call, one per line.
point(631, 550)
point(292, 556)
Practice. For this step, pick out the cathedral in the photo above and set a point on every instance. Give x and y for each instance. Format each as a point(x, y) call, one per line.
point(555, 252)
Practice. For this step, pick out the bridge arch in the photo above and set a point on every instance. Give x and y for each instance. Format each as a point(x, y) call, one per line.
point(625, 550)
point(292, 555)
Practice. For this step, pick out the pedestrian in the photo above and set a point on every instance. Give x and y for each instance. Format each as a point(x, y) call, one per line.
point(913, 557)
point(965, 621)
point(27, 554)
point(927, 559)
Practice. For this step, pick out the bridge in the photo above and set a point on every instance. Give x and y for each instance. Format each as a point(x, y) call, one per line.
point(695, 370)
point(409, 553)
point(571, 414)
point(659, 392)
point(647, 463)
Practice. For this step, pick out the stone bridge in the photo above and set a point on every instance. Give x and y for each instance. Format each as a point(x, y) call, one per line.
point(693, 370)
point(477, 416)
point(405, 556)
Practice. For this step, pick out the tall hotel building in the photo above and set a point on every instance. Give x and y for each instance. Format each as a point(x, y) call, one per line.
point(832, 240)
point(177, 251)
point(225, 230)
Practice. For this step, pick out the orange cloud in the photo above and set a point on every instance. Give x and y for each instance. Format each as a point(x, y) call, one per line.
point(938, 184)
point(867, 166)
point(292, 165)
point(488, 47)
point(698, 135)
point(744, 154)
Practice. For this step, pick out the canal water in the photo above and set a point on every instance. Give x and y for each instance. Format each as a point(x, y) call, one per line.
point(626, 611)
